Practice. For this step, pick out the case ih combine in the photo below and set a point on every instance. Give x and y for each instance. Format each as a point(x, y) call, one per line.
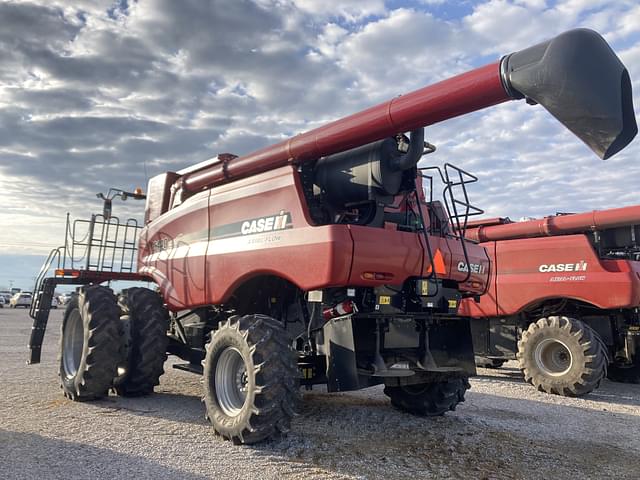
point(563, 298)
point(313, 261)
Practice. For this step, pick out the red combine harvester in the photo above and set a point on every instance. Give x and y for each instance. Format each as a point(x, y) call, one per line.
point(563, 298)
point(313, 261)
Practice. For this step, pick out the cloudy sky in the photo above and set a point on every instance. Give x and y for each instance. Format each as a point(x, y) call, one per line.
point(101, 93)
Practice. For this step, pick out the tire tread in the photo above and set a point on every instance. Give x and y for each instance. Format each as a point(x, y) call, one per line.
point(277, 398)
point(149, 321)
point(99, 313)
point(435, 399)
point(595, 355)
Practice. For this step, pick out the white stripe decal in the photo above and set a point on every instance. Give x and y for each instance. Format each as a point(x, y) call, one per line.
point(262, 241)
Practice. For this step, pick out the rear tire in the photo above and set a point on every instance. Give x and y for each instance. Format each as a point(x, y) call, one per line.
point(148, 322)
point(91, 344)
point(484, 362)
point(429, 399)
point(562, 356)
point(624, 373)
point(251, 379)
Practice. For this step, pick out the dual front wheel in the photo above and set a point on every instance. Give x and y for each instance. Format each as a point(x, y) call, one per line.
point(112, 343)
point(91, 344)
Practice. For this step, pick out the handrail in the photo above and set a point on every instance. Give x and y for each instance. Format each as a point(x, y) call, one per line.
point(46, 266)
point(458, 218)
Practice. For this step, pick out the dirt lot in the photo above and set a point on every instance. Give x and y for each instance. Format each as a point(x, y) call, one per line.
point(504, 430)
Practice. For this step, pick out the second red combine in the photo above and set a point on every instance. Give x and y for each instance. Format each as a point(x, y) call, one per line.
point(563, 299)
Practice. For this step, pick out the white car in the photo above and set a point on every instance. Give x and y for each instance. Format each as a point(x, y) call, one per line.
point(64, 298)
point(6, 294)
point(21, 299)
point(54, 301)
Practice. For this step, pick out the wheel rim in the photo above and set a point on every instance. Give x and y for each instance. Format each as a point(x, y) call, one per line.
point(72, 344)
point(553, 357)
point(231, 381)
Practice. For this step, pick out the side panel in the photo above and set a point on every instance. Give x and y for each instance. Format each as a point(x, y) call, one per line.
point(449, 255)
point(392, 252)
point(401, 255)
point(172, 251)
point(478, 265)
point(488, 304)
point(202, 250)
point(260, 226)
point(530, 270)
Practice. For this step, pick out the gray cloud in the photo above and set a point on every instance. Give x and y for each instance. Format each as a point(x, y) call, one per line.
point(99, 94)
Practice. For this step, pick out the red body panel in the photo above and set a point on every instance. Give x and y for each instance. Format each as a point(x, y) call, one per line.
point(173, 253)
point(488, 304)
point(207, 264)
point(526, 271)
point(387, 252)
point(309, 257)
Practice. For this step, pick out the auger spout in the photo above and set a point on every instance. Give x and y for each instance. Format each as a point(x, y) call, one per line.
point(575, 76)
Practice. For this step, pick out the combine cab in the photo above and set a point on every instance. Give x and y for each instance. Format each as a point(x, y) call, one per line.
point(318, 261)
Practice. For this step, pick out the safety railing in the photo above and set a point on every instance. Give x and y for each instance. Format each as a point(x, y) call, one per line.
point(456, 200)
point(99, 244)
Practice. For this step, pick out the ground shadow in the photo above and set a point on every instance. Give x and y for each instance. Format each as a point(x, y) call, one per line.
point(164, 405)
point(363, 435)
point(614, 393)
point(505, 374)
point(359, 434)
point(28, 456)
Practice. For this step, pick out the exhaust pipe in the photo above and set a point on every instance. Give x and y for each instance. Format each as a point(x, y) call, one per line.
point(579, 80)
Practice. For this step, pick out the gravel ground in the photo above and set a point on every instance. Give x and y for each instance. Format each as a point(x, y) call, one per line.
point(504, 430)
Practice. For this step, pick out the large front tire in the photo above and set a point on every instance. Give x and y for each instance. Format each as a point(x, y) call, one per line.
point(148, 322)
point(429, 399)
point(91, 344)
point(250, 379)
point(562, 356)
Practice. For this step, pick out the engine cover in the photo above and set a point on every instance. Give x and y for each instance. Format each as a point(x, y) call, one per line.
point(360, 174)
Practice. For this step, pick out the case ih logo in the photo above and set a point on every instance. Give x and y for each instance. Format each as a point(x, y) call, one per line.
point(581, 266)
point(265, 224)
point(474, 267)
